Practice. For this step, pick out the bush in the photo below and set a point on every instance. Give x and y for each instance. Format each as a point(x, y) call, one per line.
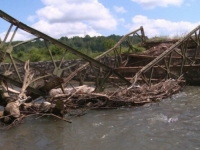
point(138, 49)
point(35, 57)
point(20, 54)
point(55, 50)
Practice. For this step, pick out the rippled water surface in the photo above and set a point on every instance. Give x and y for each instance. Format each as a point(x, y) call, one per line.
point(170, 124)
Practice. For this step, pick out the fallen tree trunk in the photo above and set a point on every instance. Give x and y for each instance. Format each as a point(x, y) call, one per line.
point(13, 107)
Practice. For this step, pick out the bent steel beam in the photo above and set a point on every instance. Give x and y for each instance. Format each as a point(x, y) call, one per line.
point(46, 38)
point(180, 48)
point(54, 41)
point(116, 52)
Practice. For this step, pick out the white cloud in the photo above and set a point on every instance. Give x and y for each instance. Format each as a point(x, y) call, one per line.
point(121, 20)
point(159, 27)
point(19, 36)
point(32, 18)
point(150, 4)
point(73, 17)
point(65, 29)
point(70, 18)
point(119, 9)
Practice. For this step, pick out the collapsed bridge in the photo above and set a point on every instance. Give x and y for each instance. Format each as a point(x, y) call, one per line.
point(179, 61)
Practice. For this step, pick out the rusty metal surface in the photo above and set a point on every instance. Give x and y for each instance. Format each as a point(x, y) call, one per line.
point(19, 84)
point(99, 67)
point(187, 59)
point(116, 53)
point(175, 62)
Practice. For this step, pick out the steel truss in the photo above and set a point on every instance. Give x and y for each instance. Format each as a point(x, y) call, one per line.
point(47, 80)
point(115, 57)
point(175, 62)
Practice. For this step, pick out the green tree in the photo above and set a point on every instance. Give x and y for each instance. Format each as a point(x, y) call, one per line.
point(55, 50)
point(34, 57)
point(20, 54)
point(108, 43)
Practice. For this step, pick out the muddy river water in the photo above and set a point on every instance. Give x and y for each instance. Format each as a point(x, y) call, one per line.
point(173, 123)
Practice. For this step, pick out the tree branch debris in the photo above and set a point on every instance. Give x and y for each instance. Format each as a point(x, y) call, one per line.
point(77, 100)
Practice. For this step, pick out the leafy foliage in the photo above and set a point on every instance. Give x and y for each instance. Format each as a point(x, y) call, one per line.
point(91, 46)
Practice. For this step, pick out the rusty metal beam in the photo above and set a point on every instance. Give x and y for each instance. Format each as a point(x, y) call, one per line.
point(136, 69)
point(54, 41)
point(157, 60)
point(19, 84)
point(117, 45)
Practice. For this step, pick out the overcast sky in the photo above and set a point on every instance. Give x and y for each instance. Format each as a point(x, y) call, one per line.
point(103, 17)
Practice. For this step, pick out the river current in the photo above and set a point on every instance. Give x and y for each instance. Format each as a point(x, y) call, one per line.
point(173, 123)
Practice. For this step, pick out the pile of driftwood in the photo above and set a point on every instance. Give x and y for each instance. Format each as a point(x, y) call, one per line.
point(134, 96)
point(157, 50)
point(80, 98)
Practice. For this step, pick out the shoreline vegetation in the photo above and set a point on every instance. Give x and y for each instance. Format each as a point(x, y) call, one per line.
point(91, 46)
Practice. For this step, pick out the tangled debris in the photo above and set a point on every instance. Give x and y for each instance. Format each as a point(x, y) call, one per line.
point(157, 50)
point(77, 100)
point(122, 97)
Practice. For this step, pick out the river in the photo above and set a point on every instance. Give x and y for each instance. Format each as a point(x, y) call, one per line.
point(173, 123)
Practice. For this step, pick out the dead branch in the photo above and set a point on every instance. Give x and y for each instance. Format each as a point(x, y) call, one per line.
point(28, 77)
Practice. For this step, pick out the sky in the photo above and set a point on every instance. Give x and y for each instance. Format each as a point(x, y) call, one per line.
point(70, 18)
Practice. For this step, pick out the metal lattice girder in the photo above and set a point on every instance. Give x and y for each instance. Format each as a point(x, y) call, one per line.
point(50, 39)
point(47, 39)
point(166, 61)
point(116, 53)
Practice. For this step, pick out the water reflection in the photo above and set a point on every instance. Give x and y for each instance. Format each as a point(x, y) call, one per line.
point(171, 124)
